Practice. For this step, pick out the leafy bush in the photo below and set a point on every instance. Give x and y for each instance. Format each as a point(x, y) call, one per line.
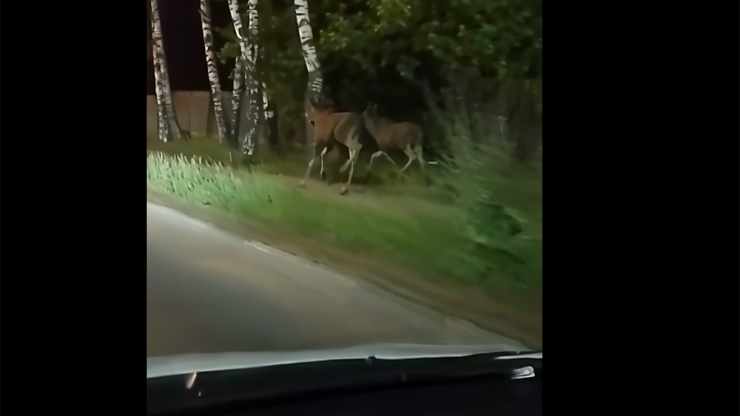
point(500, 196)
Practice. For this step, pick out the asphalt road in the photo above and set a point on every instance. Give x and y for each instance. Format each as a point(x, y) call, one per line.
point(210, 291)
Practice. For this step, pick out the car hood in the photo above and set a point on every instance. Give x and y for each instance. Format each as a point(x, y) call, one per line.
point(195, 363)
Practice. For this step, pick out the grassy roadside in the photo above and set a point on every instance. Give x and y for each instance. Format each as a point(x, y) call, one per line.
point(420, 236)
point(417, 242)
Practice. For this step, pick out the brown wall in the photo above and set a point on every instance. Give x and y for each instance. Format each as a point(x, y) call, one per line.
point(194, 111)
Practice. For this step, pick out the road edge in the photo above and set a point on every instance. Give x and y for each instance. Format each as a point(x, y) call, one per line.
point(426, 293)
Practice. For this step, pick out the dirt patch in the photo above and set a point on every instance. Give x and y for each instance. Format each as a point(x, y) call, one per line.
point(465, 302)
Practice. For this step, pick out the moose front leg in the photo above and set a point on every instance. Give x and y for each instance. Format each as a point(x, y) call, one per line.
point(346, 164)
point(302, 183)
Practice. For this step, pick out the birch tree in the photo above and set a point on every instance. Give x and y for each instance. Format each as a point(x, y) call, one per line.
point(256, 91)
point(305, 33)
point(168, 126)
point(213, 79)
point(315, 81)
point(248, 142)
point(163, 126)
point(236, 96)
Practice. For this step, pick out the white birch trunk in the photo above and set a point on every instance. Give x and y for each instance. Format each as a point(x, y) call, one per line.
point(161, 75)
point(164, 131)
point(315, 81)
point(236, 97)
point(158, 88)
point(256, 92)
point(248, 143)
point(205, 21)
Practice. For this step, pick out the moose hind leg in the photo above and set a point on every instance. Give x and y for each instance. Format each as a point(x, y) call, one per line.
point(323, 172)
point(352, 156)
point(410, 153)
point(387, 156)
point(420, 157)
point(376, 154)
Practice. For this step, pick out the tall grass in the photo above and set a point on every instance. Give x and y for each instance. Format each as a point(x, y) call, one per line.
point(501, 196)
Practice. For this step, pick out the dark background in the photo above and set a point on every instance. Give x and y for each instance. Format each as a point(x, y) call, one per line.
point(183, 44)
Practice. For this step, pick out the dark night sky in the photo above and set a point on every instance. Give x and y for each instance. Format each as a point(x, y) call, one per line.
point(183, 43)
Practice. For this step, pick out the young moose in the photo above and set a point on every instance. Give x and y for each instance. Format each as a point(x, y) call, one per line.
point(390, 135)
point(332, 128)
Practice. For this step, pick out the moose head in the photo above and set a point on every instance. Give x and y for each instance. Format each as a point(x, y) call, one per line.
point(318, 105)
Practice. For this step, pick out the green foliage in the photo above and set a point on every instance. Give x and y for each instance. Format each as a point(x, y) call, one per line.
point(416, 39)
point(485, 34)
point(502, 198)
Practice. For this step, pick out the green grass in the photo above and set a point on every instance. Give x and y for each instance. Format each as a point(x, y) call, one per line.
point(207, 149)
point(293, 163)
point(414, 235)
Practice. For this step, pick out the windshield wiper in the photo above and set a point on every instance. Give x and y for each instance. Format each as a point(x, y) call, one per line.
point(256, 387)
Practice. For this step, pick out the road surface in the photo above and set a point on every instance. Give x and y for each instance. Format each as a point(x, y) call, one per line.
point(210, 291)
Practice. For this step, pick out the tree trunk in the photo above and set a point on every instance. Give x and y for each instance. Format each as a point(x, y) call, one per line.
point(267, 118)
point(158, 87)
point(266, 115)
point(164, 131)
point(236, 99)
point(205, 21)
point(160, 73)
point(248, 143)
point(315, 81)
point(261, 103)
point(257, 104)
point(149, 48)
point(272, 126)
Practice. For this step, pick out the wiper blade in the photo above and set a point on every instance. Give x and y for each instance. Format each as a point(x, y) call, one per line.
point(520, 355)
point(293, 382)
